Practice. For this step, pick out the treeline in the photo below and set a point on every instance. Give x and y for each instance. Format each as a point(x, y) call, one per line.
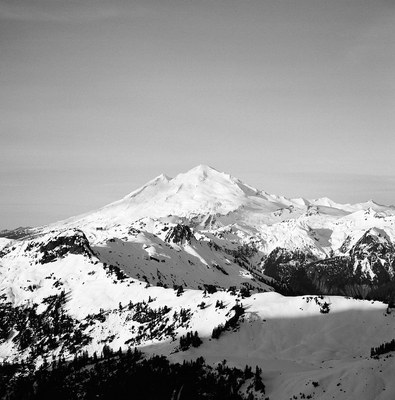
point(129, 376)
point(383, 348)
point(41, 333)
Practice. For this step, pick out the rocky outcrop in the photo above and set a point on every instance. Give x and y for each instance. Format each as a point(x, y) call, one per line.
point(179, 234)
point(367, 267)
point(373, 256)
point(288, 268)
point(18, 233)
point(280, 262)
point(336, 276)
point(69, 242)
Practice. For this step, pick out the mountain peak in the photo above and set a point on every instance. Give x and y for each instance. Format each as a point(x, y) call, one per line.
point(202, 170)
point(202, 191)
point(162, 177)
point(213, 183)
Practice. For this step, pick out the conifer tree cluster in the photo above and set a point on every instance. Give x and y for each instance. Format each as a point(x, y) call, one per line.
point(220, 304)
point(383, 348)
point(40, 333)
point(231, 323)
point(190, 339)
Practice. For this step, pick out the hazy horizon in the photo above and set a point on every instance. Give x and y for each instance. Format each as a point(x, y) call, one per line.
point(99, 96)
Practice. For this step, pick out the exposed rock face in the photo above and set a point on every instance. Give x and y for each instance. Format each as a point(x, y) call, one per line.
point(18, 233)
point(288, 268)
point(280, 261)
point(368, 266)
point(179, 234)
point(373, 256)
point(73, 242)
point(335, 275)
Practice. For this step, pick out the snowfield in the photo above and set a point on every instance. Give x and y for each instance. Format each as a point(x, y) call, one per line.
point(189, 254)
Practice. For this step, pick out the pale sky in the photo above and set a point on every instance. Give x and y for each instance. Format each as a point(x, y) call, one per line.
point(294, 97)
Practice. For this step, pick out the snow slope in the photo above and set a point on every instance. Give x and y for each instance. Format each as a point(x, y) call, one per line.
point(288, 337)
point(116, 268)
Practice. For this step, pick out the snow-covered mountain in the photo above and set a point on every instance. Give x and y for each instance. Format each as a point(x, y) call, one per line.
point(204, 250)
point(207, 227)
point(206, 196)
point(202, 191)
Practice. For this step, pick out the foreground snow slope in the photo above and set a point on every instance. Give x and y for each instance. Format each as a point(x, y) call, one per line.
point(296, 345)
point(288, 337)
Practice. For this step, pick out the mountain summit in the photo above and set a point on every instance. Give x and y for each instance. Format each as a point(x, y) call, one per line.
point(200, 191)
point(204, 191)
